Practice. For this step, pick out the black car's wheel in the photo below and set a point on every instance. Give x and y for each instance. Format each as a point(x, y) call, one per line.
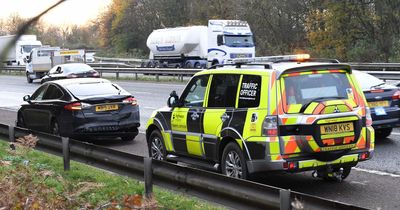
point(20, 121)
point(55, 128)
point(28, 79)
point(128, 137)
point(383, 133)
point(336, 175)
point(233, 163)
point(156, 146)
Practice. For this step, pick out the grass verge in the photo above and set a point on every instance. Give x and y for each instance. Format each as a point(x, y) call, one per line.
point(35, 180)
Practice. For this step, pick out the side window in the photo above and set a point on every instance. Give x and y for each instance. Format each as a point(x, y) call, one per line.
point(223, 90)
point(249, 95)
point(52, 92)
point(38, 94)
point(195, 92)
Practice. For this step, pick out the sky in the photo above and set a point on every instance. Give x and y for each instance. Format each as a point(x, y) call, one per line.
point(70, 12)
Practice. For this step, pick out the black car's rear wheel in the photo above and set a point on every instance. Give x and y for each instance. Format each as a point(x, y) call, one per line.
point(156, 146)
point(128, 137)
point(55, 128)
point(383, 133)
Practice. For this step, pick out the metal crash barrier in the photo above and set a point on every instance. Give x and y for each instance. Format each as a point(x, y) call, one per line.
point(231, 192)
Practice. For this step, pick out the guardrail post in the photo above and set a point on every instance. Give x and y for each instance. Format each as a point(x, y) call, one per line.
point(117, 75)
point(157, 77)
point(285, 201)
point(136, 76)
point(148, 178)
point(65, 150)
point(11, 133)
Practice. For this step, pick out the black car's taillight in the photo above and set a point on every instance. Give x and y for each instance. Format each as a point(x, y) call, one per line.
point(73, 106)
point(130, 100)
point(396, 95)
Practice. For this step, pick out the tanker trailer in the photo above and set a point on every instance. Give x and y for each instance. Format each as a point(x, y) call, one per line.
point(200, 46)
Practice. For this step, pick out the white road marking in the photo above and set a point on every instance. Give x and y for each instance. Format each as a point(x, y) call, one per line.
point(377, 172)
point(149, 107)
point(394, 133)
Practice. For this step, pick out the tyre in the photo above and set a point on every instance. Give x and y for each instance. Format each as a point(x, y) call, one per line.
point(20, 121)
point(197, 65)
point(233, 163)
point(156, 146)
point(55, 128)
point(383, 133)
point(128, 137)
point(28, 79)
point(336, 175)
point(188, 65)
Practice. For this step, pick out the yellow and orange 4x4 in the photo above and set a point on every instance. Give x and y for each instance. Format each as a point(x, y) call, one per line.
point(281, 113)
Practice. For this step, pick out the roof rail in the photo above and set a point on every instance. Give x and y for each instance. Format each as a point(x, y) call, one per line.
point(239, 65)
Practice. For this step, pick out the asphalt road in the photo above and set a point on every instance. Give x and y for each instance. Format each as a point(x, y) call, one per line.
point(372, 184)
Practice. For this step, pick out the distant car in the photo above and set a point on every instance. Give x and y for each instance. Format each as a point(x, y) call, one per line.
point(81, 108)
point(383, 100)
point(70, 70)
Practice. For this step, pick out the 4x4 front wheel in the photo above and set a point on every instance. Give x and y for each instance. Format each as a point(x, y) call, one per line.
point(233, 163)
point(156, 146)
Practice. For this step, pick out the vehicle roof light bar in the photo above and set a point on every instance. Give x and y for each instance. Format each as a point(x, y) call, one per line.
point(274, 59)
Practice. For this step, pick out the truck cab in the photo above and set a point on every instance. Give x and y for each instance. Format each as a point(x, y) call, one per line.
point(229, 39)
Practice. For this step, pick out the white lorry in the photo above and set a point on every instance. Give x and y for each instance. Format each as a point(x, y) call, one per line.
point(19, 51)
point(200, 46)
point(42, 59)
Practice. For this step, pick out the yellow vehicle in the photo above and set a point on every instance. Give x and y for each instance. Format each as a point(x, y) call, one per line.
point(281, 113)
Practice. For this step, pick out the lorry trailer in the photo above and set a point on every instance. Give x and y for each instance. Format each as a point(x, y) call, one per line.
point(200, 46)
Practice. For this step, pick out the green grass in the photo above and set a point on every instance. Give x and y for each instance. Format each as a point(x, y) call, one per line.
point(40, 177)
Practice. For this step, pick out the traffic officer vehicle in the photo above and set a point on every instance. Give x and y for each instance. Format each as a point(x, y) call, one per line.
point(280, 113)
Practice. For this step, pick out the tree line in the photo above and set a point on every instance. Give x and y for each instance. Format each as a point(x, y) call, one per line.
point(348, 30)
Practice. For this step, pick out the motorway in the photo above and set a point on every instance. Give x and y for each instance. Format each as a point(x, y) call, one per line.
point(372, 184)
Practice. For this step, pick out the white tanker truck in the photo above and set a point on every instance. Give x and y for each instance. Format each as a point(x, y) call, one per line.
point(200, 46)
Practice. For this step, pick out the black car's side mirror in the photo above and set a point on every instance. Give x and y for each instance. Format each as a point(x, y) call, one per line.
point(173, 100)
point(27, 98)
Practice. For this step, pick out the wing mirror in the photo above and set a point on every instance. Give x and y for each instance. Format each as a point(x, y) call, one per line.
point(27, 98)
point(173, 100)
point(220, 40)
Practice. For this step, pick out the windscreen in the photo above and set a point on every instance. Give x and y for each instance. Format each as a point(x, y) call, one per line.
point(87, 90)
point(367, 81)
point(28, 48)
point(301, 90)
point(239, 41)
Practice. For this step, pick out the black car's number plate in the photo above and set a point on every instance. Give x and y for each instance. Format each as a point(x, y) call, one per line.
point(378, 103)
point(108, 107)
point(337, 128)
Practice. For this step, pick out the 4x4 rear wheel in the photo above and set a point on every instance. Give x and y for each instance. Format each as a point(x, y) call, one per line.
point(336, 175)
point(233, 163)
point(156, 146)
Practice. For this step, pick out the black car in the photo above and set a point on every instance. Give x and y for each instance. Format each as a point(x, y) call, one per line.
point(81, 108)
point(383, 100)
point(69, 71)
